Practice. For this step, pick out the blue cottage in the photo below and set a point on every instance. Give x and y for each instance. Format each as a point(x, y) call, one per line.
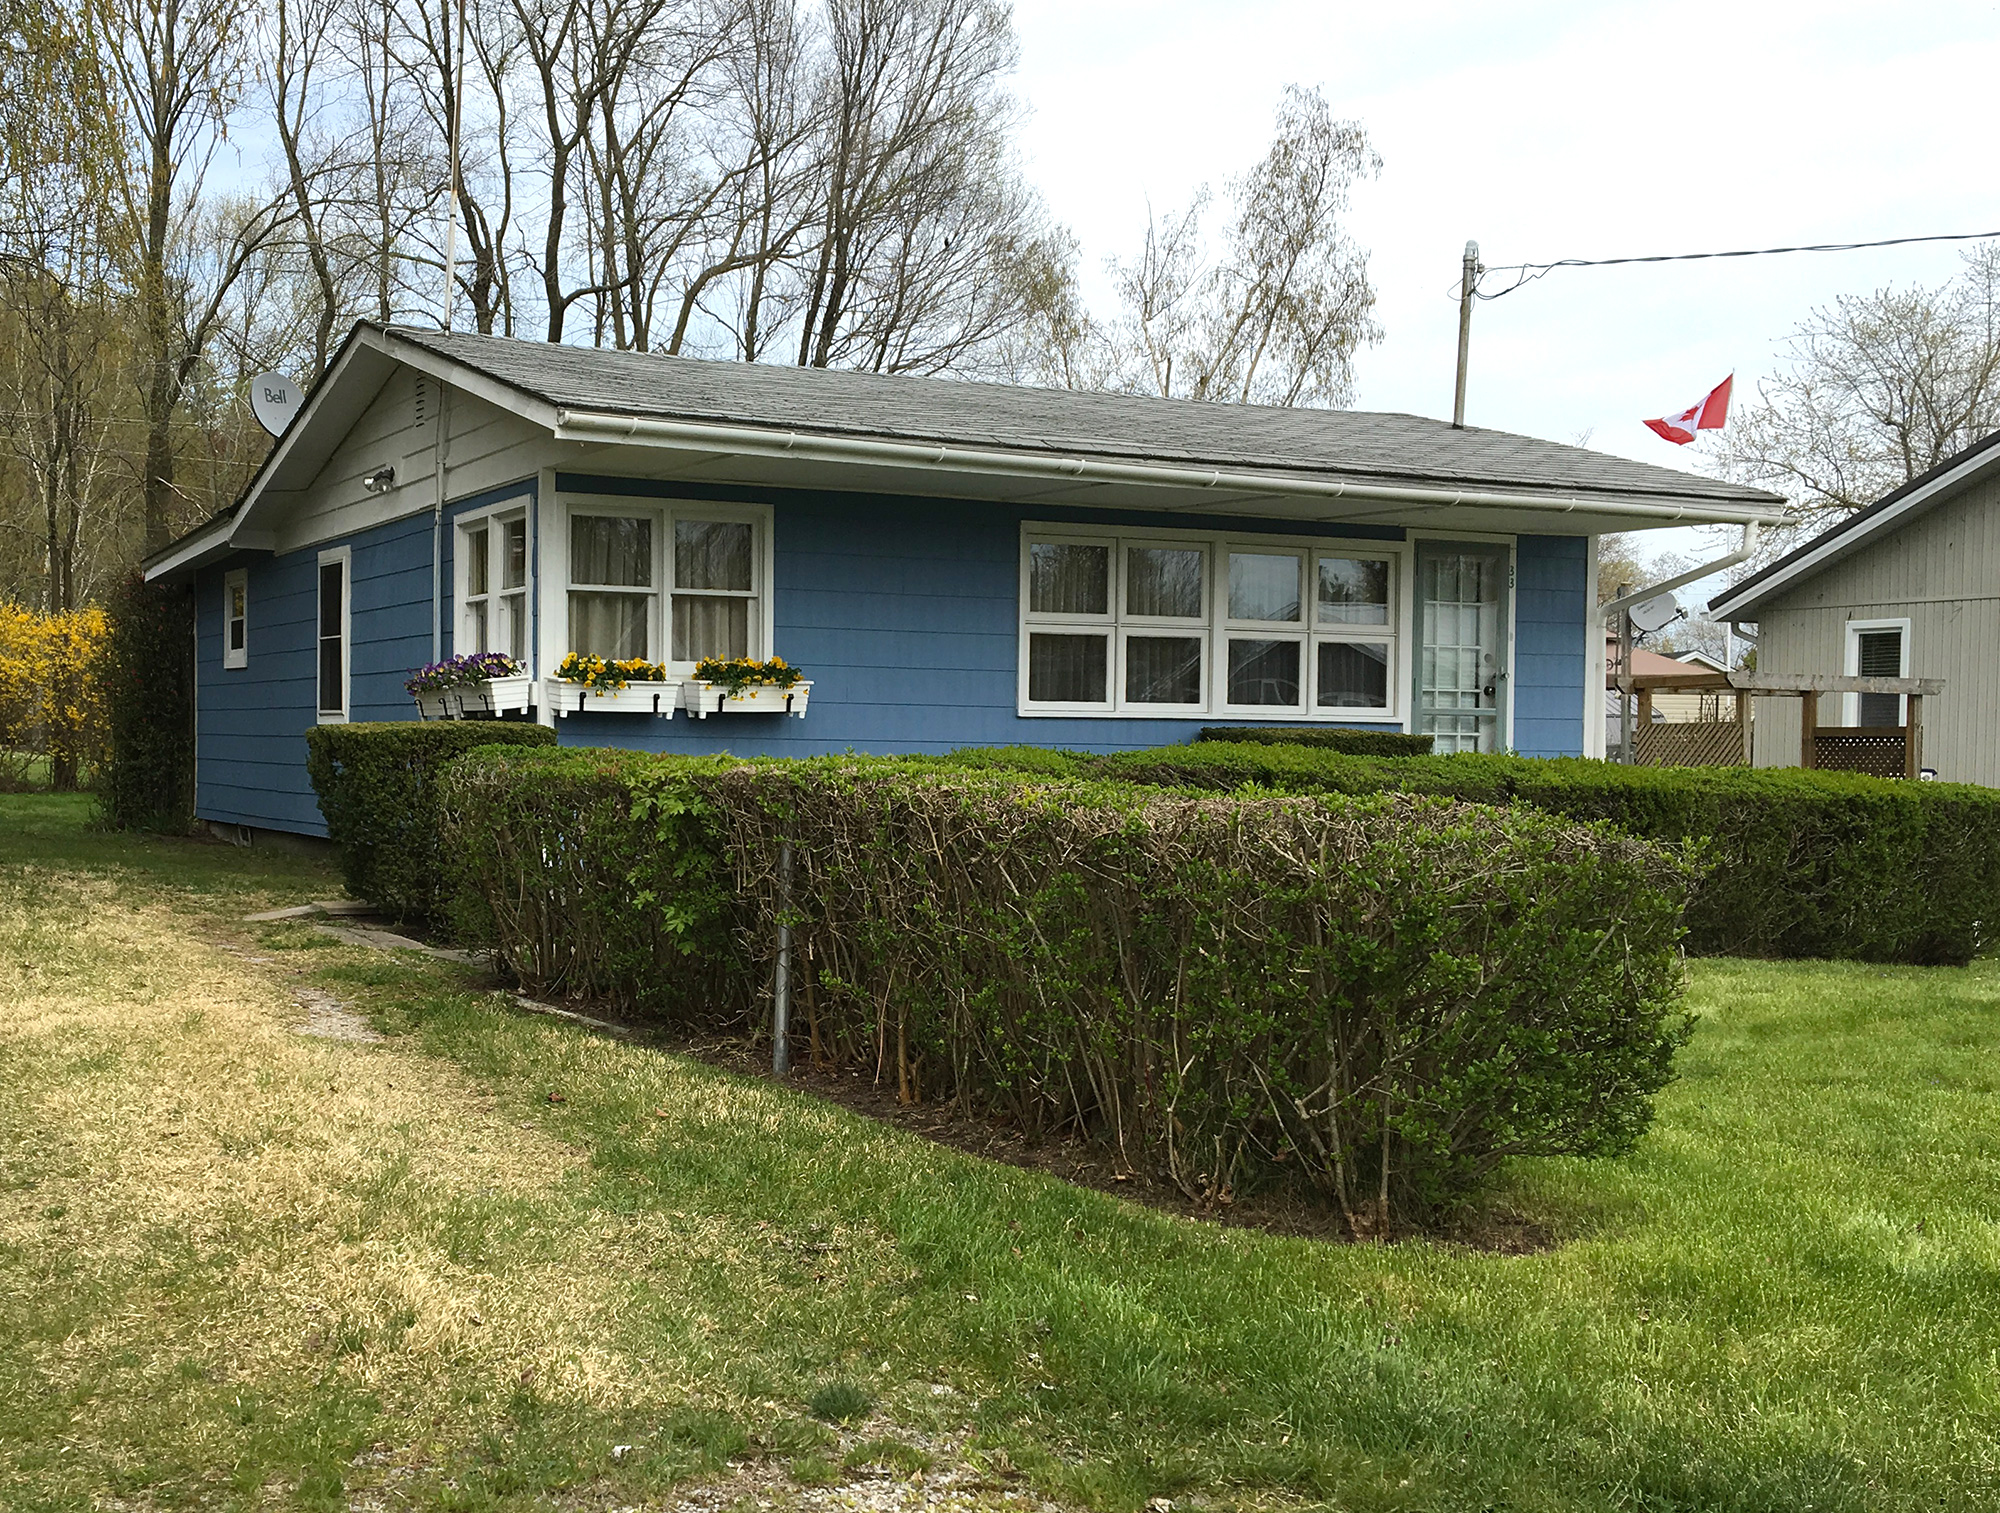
point(950, 563)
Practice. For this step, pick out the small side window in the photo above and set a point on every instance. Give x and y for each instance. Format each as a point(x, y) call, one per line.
point(333, 622)
point(236, 618)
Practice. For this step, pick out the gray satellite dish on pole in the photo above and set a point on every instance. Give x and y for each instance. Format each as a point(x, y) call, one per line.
point(274, 400)
point(1656, 613)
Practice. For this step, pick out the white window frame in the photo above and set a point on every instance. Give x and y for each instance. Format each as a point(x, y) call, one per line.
point(659, 615)
point(345, 557)
point(492, 518)
point(235, 581)
point(1850, 703)
point(1216, 628)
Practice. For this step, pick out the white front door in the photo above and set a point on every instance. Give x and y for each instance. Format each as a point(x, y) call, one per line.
point(1461, 663)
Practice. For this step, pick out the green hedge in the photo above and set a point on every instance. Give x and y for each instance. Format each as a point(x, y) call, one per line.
point(1381, 743)
point(1800, 863)
point(377, 787)
point(1381, 997)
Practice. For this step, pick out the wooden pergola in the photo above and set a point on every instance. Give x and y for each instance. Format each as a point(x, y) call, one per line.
point(1884, 750)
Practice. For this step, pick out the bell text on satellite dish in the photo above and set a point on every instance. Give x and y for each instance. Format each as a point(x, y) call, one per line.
point(1656, 613)
point(274, 400)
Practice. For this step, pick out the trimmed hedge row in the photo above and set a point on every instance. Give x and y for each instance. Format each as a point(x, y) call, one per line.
point(377, 787)
point(1385, 743)
point(1383, 997)
point(1799, 864)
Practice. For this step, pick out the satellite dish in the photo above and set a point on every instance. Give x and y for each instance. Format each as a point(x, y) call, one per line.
point(274, 400)
point(1656, 613)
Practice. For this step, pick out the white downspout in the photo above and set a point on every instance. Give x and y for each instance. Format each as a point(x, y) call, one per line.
point(437, 522)
point(1743, 553)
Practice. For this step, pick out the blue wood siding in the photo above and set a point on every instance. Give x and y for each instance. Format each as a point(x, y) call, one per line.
point(903, 613)
point(1552, 602)
point(250, 749)
point(901, 610)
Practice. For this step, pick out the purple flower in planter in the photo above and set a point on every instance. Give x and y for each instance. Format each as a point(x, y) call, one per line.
point(458, 671)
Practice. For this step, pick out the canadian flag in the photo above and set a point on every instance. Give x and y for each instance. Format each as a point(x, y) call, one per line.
point(1704, 415)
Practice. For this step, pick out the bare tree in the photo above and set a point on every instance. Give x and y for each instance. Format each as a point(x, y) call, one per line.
point(1876, 390)
point(1278, 318)
point(180, 67)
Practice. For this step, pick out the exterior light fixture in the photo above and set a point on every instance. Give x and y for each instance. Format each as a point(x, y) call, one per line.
point(380, 481)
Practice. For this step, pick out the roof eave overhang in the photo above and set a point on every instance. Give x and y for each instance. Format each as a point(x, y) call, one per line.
point(934, 459)
point(1746, 601)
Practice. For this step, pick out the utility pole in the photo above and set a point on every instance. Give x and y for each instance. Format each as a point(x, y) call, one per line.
point(1467, 285)
point(451, 188)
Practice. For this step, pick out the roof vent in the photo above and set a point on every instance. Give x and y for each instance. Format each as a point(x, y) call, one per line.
point(423, 401)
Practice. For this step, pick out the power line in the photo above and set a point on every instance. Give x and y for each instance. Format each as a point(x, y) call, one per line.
point(1527, 273)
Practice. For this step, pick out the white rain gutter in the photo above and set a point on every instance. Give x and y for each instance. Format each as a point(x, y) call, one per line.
point(575, 425)
point(1743, 553)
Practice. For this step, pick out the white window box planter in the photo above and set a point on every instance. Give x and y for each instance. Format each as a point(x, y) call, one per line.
point(703, 699)
point(514, 695)
point(660, 699)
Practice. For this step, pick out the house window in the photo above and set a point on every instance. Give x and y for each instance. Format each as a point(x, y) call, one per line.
point(673, 584)
point(493, 585)
point(236, 618)
point(1878, 649)
point(333, 619)
point(1189, 624)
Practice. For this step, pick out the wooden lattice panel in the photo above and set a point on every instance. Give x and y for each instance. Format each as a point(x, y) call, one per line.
point(1879, 753)
point(1703, 743)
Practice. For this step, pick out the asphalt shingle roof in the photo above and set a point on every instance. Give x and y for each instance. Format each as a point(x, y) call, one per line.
point(1349, 445)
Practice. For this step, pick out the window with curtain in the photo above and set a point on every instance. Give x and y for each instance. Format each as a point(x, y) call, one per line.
point(673, 584)
point(611, 594)
point(1151, 625)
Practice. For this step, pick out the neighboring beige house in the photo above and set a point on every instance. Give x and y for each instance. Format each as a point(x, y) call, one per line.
point(1909, 587)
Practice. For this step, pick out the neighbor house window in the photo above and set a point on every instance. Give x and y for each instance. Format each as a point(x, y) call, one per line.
point(493, 584)
point(1878, 649)
point(673, 584)
point(335, 569)
point(236, 618)
point(1191, 624)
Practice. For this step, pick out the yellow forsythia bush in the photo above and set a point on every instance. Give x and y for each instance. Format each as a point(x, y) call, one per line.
point(51, 703)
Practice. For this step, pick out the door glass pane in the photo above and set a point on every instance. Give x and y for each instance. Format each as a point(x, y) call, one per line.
point(1067, 669)
point(712, 554)
point(1065, 578)
point(1353, 591)
point(1163, 669)
point(1263, 586)
point(1460, 655)
point(1353, 675)
point(1264, 673)
point(610, 549)
point(1164, 581)
point(514, 554)
point(706, 627)
point(612, 626)
point(475, 561)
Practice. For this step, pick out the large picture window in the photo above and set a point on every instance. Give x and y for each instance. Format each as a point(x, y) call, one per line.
point(493, 584)
point(1131, 624)
point(671, 583)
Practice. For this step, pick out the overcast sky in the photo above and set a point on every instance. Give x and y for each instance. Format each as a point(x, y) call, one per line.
point(1549, 130)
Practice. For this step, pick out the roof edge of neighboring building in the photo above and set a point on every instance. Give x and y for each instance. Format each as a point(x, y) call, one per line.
point(1740, 601)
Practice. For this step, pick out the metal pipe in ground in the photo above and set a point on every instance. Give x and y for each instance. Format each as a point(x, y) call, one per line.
point(781, 987)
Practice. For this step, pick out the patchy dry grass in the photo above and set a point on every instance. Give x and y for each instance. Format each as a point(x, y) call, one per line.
point(492, 1260)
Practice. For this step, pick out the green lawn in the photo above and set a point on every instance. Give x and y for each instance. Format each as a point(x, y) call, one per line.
point(454, 1269)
